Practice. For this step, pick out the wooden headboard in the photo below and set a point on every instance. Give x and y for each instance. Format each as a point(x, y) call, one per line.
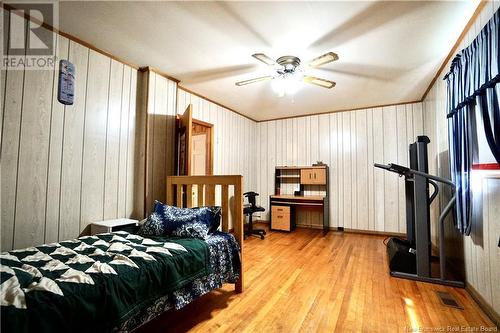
point(178, 188)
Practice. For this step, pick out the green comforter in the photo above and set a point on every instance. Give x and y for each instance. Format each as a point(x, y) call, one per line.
point(93, 283)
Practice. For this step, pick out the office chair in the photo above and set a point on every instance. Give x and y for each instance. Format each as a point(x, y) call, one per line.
point(249, 209)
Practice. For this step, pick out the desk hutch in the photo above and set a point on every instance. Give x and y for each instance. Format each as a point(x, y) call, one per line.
point(295, 187)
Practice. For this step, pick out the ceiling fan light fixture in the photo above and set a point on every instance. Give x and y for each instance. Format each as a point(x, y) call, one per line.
point(324, 59)
point(265, 59)
point(290, 75)
point(286, 85)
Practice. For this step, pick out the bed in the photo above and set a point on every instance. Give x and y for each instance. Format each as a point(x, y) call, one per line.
point(115, 282)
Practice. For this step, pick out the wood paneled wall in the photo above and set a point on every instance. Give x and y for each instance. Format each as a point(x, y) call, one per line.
point(66, 166)
point(160, 94)
point(482, 255)
point(361, 197)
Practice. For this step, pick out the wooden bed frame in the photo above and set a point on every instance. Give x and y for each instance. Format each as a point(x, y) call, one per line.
point(179, 186)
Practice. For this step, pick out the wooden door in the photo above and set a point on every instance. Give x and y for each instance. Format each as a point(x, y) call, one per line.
point(185, 142)
point(199, 165)
point(203, 148)
point(194, 150)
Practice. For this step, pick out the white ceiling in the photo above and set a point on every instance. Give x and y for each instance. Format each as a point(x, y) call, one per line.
point(389, 51)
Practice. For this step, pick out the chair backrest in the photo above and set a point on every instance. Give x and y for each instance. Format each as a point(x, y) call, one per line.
point(251, 197)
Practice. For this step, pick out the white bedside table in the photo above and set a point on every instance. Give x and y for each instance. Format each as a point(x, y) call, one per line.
point(111, 225)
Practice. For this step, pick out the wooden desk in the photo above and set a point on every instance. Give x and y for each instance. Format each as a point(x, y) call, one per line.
point(312, 185)
point(285, 218)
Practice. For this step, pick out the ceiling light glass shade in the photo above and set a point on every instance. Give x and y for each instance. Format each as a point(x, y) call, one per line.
point(292, 85)
point(278, 85)
point(286, 85)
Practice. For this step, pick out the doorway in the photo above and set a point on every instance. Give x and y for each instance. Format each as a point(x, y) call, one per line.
point(194, 146)
point(202, 151)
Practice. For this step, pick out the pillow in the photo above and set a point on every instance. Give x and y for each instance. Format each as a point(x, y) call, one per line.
point(152, 226)
point(187, 222)
point(216, 217)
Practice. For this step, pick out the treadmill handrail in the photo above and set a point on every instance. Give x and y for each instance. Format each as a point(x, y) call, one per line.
point(436, 191)
point(436, 178)
point(399, 169)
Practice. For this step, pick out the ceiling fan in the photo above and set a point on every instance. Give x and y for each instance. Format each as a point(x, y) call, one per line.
point(288, 71)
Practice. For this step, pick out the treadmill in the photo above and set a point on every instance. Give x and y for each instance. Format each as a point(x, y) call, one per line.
point(411, 258)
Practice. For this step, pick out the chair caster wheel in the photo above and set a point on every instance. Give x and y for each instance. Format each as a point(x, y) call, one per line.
point(261, 236)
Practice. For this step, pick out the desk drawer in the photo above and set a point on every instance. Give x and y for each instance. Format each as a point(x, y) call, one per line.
point(280, 218)
point(281, 210)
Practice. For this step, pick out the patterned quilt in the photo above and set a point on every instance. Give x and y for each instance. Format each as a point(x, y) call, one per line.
point(94, 283)
point(225, 266)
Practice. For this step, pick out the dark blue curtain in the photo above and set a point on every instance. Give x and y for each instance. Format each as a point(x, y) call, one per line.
point(473, 81)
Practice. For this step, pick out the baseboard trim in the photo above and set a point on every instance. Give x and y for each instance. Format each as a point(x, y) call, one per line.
point(372, 232)
point(352, 231)
point(305, 226)
point(355, 231)
point(487, 309)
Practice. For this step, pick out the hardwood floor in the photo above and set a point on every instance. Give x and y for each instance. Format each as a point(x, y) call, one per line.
point(304, 282)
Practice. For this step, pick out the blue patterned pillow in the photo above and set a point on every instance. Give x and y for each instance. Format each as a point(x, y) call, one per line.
point(216, 217)
point(153, 226)
point(188, 222)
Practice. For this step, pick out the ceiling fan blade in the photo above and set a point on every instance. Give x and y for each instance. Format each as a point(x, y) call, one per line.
point(265, 59)
point(257, 79)
point(319, 82)
point(324, 59)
